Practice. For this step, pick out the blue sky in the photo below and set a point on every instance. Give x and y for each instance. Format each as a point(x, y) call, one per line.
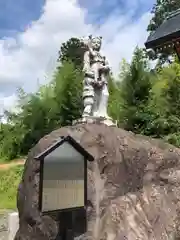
point(15, 16)
point(99, 10)
point(31, 32)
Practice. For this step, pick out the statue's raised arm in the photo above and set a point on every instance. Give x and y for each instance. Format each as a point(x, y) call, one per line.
point(86, 62)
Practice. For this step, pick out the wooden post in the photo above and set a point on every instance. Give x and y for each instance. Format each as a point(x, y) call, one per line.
point(177, 50)
point(65, 226)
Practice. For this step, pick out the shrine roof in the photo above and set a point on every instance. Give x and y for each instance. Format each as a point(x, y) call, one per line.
point(169, 30)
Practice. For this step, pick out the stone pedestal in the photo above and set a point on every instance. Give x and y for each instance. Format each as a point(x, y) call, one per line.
point(13, 225)
point(95, 120)
point(133, 187)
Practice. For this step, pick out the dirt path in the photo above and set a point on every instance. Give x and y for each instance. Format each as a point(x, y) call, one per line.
point(5, 166)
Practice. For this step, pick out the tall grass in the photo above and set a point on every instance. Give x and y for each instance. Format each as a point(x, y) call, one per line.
point(9, 181)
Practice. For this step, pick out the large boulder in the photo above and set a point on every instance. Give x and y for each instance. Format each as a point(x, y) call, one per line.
point(133, 186)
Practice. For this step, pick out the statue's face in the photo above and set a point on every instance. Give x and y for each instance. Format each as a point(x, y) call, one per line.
point(96, 43)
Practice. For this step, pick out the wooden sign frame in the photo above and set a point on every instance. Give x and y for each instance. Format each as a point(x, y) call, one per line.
point(40, 157)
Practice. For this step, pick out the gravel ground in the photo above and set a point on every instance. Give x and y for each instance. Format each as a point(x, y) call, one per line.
point(4, 224)
point(4, 227)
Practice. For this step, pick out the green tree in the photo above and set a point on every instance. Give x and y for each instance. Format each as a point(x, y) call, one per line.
point(9, 142)
point(134, 91)
point(53, 105)
point(112, 99)
point(68, 93)
point(114, 102)
point(72, 51)
point(164, 104)
point(32, 119)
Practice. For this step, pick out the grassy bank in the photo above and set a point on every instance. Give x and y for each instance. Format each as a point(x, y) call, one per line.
point(9, 181)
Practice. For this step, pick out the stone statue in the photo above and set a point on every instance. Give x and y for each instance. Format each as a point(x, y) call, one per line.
point(95, 91)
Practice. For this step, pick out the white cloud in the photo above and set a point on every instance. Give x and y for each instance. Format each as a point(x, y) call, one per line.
point(32, 54)
point(7, 103)
point(125, 38)
point(36, 49)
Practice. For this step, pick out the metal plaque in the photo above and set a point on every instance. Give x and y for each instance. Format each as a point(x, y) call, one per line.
point(63, 179)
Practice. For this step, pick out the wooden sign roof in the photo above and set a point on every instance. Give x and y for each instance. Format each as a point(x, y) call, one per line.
point(60, 142)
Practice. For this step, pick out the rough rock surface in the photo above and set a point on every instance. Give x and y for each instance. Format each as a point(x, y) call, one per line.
point(134, 187)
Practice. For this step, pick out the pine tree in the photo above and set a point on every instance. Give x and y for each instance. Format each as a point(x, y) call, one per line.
point(164, 105)
point(54, 105)
point(134, 90)
point(68, 93)
point(72, 51)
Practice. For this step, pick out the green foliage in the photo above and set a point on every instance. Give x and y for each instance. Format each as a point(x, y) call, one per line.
point(148, 101)
point(53, 105)
point(164, 104)
point(134, 91)
point(114, 99)
point(9, 142)
point(9, 181)
point(72, 51)
point(68, 93)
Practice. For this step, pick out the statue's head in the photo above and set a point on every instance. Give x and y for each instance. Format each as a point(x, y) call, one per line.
point(96, 42)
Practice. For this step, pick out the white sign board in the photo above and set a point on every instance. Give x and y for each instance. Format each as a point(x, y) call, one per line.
point(63, 179)
point(63, 194)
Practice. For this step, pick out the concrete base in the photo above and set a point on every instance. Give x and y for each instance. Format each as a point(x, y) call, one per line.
point(96, 120)
point(13, 225)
